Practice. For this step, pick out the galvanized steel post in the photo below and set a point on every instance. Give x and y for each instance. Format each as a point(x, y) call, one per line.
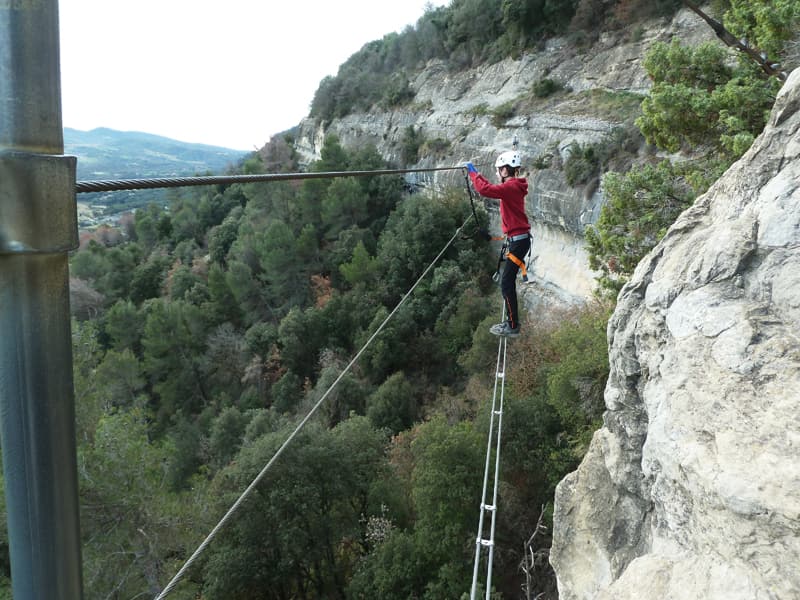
point(38, 227)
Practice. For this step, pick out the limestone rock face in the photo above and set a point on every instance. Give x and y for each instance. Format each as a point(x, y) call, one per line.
point(454, 110)
point(692, 487)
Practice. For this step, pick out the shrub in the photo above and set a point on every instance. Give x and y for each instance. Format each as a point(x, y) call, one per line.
point(582, 163)
point(409, 145)
point(502, 113)
point(546, 87)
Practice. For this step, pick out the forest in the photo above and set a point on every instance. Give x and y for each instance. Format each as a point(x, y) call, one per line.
point(205, 329)
point(219, 322)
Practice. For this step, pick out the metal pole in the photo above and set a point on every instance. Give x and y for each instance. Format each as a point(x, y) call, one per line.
point(38, 227)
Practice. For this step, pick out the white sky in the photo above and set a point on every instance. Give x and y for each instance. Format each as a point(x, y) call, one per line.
point(228, 73)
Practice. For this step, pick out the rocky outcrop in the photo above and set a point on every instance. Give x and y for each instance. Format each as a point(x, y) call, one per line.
point(455, 108)
point(692, 487)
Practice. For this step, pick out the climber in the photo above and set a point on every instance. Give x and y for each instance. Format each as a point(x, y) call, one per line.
point(511, 193)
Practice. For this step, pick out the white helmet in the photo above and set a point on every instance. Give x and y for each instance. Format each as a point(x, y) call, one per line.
point(511, 158)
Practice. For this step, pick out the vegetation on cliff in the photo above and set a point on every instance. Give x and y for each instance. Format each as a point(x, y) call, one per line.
point(463, 34)
point(705, 108)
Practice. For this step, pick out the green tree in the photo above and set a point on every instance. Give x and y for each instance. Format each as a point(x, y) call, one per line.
point(148, 278)
point(119, 378)
point(226, 436)
point(86, 355)
point(152, 225)
point(640, 205)
point(225, 360)
point(185, 440)
point(115, 283)
point(447, 457)
point(347, 398)
point(299, 533)
point(433, 560)
point(123, 323)
point(174, 335)
point(390, 351)
point(414, 235)
point(391, 572)
point(180, 280)
point(5, 557)
point(246, 292)
point(282, 275)
point(455, 326)
point(223, 305)
point(700, 103)
point(363, 268)
point(89, 264)
point(411, 141)
point(393, 405)
point(344, 205)
point(298, 342)
point(222, 236)
point(133, 527)
point(575, 383)
point(287, 392)
point(339, 321)
point(767, 25)
point(186, 224)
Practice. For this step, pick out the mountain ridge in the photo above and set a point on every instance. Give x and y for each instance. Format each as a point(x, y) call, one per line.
point(105, 153)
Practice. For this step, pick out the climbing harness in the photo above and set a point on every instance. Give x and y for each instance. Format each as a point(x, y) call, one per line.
point(482, 542)
point(523, 263)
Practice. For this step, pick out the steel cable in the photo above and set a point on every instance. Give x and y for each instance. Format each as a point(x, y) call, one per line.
point(82, 187)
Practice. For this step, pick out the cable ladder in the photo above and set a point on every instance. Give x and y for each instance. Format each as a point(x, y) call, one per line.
point(497, 411)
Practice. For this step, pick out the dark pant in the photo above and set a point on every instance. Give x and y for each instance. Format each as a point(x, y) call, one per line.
point(508, 283)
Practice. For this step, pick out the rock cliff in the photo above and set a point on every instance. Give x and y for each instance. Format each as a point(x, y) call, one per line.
point(455, 110)
point(692, 487)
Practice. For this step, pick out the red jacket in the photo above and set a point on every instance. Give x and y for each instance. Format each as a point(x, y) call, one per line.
point(512, 201)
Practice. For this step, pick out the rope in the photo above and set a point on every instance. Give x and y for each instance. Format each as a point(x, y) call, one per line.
point(168, 182)
point(169, 587)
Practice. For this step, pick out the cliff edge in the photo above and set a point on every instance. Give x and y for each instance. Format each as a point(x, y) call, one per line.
point(692, 487)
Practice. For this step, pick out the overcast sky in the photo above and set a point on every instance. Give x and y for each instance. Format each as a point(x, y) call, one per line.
point(222, 72)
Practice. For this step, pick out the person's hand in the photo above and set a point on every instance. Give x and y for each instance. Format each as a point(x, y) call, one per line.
point(471, 168)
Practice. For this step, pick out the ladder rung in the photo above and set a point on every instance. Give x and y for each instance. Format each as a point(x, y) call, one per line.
point(488, 506)
point(498, 412)
point(487, 543)
point(501, 375)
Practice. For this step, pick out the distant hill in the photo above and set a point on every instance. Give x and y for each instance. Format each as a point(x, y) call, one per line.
point(108, 154)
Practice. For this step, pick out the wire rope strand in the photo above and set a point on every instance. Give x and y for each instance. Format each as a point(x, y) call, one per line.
point(179, 575)
point(167, 182)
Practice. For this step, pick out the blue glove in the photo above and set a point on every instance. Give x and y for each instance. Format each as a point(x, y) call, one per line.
point(471, 168)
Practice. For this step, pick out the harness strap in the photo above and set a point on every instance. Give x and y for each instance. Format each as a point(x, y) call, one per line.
point(520, 264)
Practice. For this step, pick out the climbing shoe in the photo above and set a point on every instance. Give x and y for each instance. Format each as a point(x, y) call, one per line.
point(504, 329)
